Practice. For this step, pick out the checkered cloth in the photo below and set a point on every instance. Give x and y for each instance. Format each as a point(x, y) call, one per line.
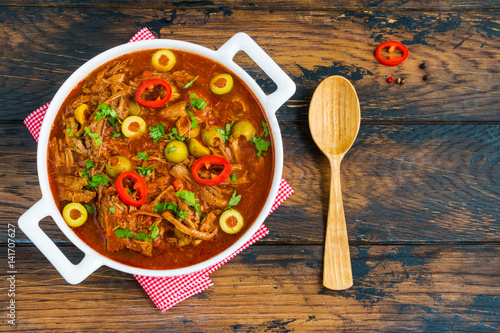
point(168, 291)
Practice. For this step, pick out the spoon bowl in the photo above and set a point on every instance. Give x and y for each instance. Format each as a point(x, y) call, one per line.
point(334, 119)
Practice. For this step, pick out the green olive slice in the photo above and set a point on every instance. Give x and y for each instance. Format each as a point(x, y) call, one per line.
point(176, 151)
point(197, 149)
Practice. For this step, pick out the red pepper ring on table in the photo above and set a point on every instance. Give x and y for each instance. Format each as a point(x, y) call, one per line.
point(208, 162)
point(139, 185)
point(392, 60)
point(151, 85)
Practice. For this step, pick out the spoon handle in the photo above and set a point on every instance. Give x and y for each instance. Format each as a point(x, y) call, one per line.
point(337, 273)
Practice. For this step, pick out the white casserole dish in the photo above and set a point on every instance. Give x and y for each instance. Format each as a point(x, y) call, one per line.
point(29, 221)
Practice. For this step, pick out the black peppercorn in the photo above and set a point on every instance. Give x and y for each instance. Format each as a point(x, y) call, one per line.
point(426, 77)
point(423, 65)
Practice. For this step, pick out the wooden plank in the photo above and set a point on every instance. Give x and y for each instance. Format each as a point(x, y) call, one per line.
point(402, 183)
point(278, 288)
point(230, 5)
point(460, 49)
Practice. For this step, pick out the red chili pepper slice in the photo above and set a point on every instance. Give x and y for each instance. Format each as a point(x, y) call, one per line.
point(214, 170)
point(392, 60)
point(139, 185)
point(154, 86)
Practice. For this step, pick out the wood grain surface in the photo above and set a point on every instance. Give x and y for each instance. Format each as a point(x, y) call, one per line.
point(420, 185)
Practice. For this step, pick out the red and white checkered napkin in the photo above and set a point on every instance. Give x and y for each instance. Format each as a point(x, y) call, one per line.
point(168, 291)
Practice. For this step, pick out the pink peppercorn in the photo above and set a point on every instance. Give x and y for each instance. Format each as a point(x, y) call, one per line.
point(390, 79)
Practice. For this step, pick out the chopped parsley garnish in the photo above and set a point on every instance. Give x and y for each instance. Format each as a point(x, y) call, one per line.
point(123, 233)
point(233, 177)
point(190, 83)
point(235, 199)
point(141, 236)
point(189, 198)
point(68, 131)
point(112, 209)
point(88, 165)
point(194, 122)
point(225, 133)
point(104, 111)
point(260, 144)
point(144, 171)
point(266, 128)
point(162, 206)
point(171, 150)
point(94, 136)
point(126, 233)
point(143, 156)
point(90, 209)
point(97, 180)
point(198, 103)
point(174, 134)
point(156, 133)
point(155, 232)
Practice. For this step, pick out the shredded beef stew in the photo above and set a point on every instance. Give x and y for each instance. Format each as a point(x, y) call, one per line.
point(160, 159)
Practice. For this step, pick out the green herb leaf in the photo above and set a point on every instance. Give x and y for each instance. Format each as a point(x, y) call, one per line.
point(90, 209)
point(156, 133)
point(141, 236)
point(143, 156)
point(225, 133)
point(190, 83)
point(171, 150)
point(174, 134)
point(97, 180)
point(123, 233)
point(235, 199)
point(144, 171)
point(85, 173)
point(126, 233)
point(116, 134)
point(68, 131)
point(89, 164)
point(112, 209)
point(155, 232)
point(94, 136)
point(266, 128)
point(233, 177)
point(260, 144)
point(182, 214)
point(104, 111)
point(198, 103)
point(189, 198)
point(177, 212)
point(160, 207)
point(194, 122)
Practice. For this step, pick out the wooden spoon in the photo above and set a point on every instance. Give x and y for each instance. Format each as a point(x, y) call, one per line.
point(334, 119)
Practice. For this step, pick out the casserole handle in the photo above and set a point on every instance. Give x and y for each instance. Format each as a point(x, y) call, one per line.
point(285, 86)
point(29, 224)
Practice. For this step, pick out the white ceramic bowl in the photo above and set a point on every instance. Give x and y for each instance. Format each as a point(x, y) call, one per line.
point(29, 221)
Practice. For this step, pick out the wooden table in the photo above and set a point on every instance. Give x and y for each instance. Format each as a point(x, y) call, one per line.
point(420, 185)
